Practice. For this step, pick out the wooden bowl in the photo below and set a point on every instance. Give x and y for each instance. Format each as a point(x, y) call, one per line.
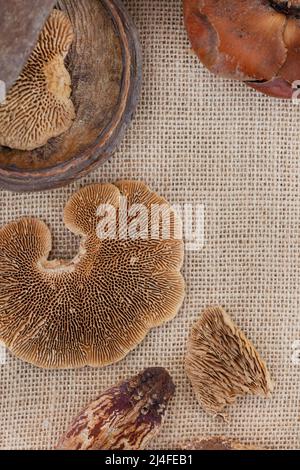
point(105, 66)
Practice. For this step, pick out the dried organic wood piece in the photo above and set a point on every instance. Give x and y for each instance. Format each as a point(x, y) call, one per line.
point(222, 364)
point(20, 26)
point(213, 443)
point(125, 417)
point(94, 309)
point(38, 107)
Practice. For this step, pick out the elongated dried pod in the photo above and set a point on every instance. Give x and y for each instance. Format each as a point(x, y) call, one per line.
point(222, 364)
point(125, 417)
point(257, 41)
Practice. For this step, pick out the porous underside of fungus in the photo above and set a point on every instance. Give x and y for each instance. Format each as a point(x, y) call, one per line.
point(222, 364)
point(38, 106)
point(213, 443)
point(96, 308)
point(125, 417)
point(255, 41)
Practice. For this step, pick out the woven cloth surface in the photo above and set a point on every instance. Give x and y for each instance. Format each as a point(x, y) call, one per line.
point(200, 140)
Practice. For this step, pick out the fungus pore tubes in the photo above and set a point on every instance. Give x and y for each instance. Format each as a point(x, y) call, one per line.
point(96, 308)
point(38, 106)
point(222, 364)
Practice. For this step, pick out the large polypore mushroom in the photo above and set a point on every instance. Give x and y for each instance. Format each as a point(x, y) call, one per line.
point(96, 308)
point(255, 41)
point(222, 364)
point(38, 106)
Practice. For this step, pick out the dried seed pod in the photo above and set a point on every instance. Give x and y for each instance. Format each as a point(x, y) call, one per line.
point(125, 417)
point(222, 364)
point(213, 443)
point(38, 106)
point(256, 42)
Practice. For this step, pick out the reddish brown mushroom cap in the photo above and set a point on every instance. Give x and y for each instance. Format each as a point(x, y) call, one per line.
point(96, 308)
point(255, 41)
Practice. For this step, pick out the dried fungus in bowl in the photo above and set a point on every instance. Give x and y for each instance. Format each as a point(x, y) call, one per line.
point(222, 364)
point(125, 417)
point(96, 308)
point(38, 107)
point(255, 41)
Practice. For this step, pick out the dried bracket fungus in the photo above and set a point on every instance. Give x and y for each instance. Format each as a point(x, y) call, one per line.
point(96, 308)
point(125, 417)
point(213, 443)
point(222, 364)
point(255, 41)
point(38, 107)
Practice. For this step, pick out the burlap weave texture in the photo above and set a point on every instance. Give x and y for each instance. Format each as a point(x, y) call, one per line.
point(201, 140)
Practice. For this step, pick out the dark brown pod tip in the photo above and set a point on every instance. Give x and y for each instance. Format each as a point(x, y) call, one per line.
point(125, 417)
point(256, 42)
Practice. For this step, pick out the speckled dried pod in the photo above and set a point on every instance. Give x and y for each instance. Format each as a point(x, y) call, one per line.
point(213, 443)
point(222, 364)
point(255, 41)
point(125, 417)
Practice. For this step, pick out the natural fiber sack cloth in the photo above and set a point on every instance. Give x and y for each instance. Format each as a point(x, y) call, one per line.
point(200, 140)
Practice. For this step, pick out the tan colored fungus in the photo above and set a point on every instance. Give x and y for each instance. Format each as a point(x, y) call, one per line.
point(96, 308)
point(213, 443)
point(125, 417)
point(222, 364)
point(38, 107)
